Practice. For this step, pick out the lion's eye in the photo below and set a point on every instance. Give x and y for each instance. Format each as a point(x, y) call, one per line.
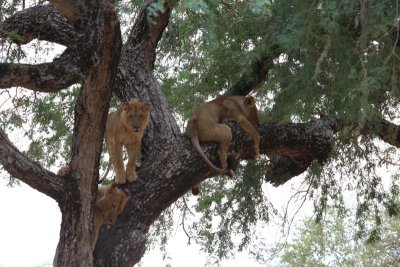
point(130, 116)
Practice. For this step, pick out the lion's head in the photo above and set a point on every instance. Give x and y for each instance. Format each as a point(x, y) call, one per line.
point(135, 115)
point(252, 116)
point(111, 201)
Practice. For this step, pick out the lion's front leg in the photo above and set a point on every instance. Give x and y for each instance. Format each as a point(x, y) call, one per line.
point(252, 131)
point(133, 151)
point(115, 151)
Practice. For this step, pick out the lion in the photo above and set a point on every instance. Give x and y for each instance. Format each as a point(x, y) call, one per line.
point(110, 202)
point(205, 125)
point(125, 127)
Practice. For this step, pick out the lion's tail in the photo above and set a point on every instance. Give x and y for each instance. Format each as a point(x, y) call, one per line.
point(196, 144)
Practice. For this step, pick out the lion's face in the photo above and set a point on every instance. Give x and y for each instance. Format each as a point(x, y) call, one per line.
point(111, 202)
point(252, 116)
point(136, 115)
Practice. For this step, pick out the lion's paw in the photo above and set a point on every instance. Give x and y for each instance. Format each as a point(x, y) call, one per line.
point(131, 176)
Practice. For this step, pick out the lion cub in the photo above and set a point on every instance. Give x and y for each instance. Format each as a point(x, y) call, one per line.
point(110, 202)
point(206, 125)
point(125, 127)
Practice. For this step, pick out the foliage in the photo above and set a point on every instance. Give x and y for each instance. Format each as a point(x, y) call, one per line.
point(46, 120)
point(242, 203)
point(333, 242)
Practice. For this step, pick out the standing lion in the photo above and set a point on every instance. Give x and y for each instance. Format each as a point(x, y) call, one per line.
point(125, 127)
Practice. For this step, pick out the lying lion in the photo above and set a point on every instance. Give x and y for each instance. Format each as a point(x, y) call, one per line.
point(206, 125)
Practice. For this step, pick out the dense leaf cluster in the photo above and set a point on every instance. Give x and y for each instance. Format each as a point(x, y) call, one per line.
point(332, 244)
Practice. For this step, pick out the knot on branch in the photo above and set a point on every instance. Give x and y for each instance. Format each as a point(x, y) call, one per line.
point(293, 147)
point(281, 169)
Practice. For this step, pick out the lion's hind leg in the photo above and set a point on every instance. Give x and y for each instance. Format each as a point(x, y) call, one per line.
point(115, 151)
point(222, 134)
point(133, 151)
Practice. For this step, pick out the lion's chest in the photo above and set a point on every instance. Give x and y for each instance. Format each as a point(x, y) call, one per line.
point(129, 139)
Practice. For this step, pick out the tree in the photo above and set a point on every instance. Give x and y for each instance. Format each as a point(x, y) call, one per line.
point(335, 59)
point(334, 243)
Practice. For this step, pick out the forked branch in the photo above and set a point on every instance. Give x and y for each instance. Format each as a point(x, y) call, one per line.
point(30, 172)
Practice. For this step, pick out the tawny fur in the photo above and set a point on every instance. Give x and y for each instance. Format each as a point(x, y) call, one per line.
point(125, 128)
point(206, 125)
point(110, 202)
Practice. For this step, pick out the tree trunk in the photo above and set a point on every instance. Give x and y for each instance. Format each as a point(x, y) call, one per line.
point(77, 206)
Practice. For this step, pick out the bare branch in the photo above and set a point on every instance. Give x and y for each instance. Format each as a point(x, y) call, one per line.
point(256, 73)
point(38, 22)
point(146, 32)
point(29, 171)
point(385, 130)
point(46, 77)
point(286, 164)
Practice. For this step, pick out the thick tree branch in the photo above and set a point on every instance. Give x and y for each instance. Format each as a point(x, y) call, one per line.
point(99, 48)
point(146, 32)
point(30, 172)
point(385, 130)
point(45, 77)
point(285, 166)
point(135, 78)
point(38, 22)
point(281, 169)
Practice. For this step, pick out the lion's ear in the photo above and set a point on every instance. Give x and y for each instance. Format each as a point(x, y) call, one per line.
point(125, 106)
point(146, 107)
point(249, 101)
point(113, 185)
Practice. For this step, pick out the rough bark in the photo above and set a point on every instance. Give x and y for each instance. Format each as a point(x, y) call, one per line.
point(39, 22)
point(47, 77)
point(43, 23)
